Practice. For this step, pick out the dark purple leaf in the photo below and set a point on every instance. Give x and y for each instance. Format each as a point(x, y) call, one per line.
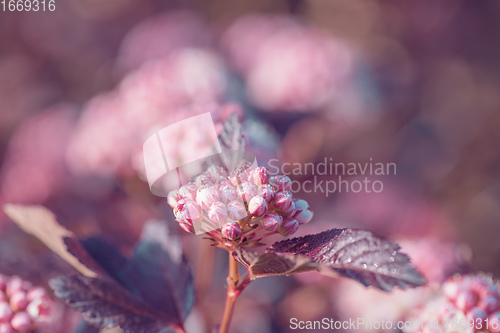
point(160, 273)
point(106, 304)
point(147, 293)
point(356, 254)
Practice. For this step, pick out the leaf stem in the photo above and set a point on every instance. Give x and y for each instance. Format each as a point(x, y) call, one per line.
point(234, 289)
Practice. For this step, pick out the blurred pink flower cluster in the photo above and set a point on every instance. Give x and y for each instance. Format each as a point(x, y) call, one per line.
point(23, 307)
point(465, 303)
point(286, 64)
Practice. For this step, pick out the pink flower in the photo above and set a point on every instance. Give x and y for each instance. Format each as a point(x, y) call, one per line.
point(260, 176)
point(461, 298)
point(206, 196)
point(218, 213)
point(246, 191)
point(236, 210)
point(227, 193)
point(231, 230)
point(257, 206)
point(187, 212)
point(281, 183)
point(272, 221)
point(289, 226)
point(303, 212)
point(284, 201)
point(266, 191)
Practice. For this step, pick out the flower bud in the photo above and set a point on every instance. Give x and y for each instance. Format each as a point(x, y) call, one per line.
point(257, 206)
point(284, 201)
point(6, 312)
point(231, 230)
point(303, 213)
point(21, 322)
point(188, 191)
point(203, 180)
point(241, 173)
point(173, 197)
point(466, 300)
point(451, 289)
point(281, 183)
point(207, 196)
point(289, 226)
point(489, 303)
point(18, 301)
point(216, 172)
point(187, 212)
point(266, 191)
point(290, 212)
point(218, 213)
point(246, 191)
point(39, 307)
point(186, 226)
point(272, 221)
point(477, 315)
point(236, 210)
point(14, 285)
point(494, 322)
point(6, 328)
point(227, 193)
point(36, 292)
point(260, 176)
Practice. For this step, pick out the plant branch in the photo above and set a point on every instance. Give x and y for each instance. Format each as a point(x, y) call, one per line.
point(234, 289)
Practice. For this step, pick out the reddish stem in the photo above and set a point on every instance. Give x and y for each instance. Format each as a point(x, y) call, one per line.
point(234, 289)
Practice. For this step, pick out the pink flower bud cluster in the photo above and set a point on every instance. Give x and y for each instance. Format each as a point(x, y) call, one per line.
point(22, 305)
point(472, 302)
point(239, 203)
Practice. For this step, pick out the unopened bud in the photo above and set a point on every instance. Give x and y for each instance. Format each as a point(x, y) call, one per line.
point(187, 212)
point(218, 213)
point(231, 230)
point(39, 307)
point(6, 312)
point(203, 180)
point(14, 285)
point(207, 196)
point(216, 172)
point(289, 226)
point(272, 221)
point(227, 193)
point(246, 191)
point(284, 201)
point(173, 197)
point(236, 210)
point(6, 328)
point(241, 173)
point(188, 191)
point(257, 206)
point(266, 191)
point(489, 303)
point(18, 301)
point(21, 322)
point(494, 322)
point(303, 213)
point(466, 301)
point(260, 176)
point(36, 292)
point(281, 183)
